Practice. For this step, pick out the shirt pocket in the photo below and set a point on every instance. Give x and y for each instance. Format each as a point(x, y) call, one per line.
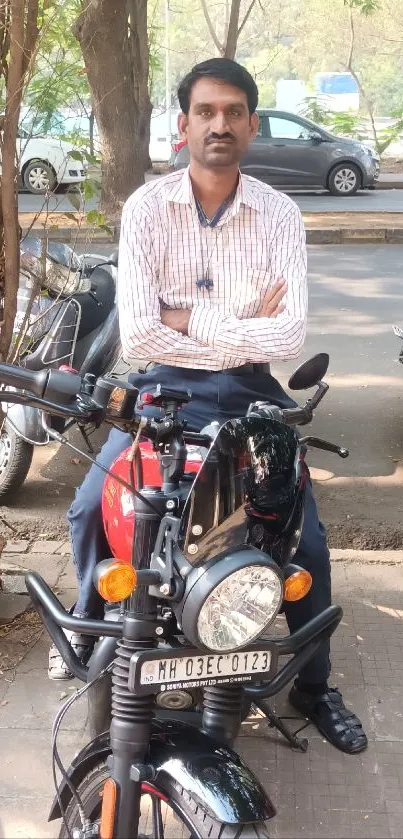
point(249, 289)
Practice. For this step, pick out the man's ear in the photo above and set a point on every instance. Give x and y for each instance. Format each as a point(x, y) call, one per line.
point(254, 125)
point(182, 126)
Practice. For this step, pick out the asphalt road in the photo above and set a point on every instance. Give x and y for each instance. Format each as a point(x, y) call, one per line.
point(355, 297)
point(379, 201)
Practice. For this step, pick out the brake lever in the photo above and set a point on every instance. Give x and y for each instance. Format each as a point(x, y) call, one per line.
point(317, 443)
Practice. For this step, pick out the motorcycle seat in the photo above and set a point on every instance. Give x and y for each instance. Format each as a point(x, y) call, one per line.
point(97, 303)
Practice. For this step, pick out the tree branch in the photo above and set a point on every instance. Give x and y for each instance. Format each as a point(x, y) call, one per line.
point(220, 47)
point(232, 33)
point(350, 68)
point(246, 17)
point(31, 32)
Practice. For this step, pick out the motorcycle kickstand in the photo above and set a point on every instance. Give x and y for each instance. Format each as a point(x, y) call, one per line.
point(298, 743)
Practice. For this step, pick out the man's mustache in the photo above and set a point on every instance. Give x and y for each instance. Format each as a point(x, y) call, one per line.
point(212, 138)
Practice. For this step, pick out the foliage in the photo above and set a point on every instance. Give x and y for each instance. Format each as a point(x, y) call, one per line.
point(366, 7)
point(60, 79)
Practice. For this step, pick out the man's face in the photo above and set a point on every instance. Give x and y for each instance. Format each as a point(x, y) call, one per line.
point(218, 127)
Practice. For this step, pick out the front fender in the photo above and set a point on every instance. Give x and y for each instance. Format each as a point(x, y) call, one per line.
point(186, 759)
point(27, 423)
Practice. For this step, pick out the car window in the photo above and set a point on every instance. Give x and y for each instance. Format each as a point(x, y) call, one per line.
point(263, 130)
point(287, 129)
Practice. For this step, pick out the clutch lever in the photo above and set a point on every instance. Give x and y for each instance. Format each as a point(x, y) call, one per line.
point(317, 443)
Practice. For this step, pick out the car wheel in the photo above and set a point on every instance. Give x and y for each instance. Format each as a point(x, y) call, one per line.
point(39, 177)
point(344, 180)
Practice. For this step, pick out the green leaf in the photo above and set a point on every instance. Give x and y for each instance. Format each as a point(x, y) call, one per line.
point(76, 155)
point(94, 217)
point(91, 158)
point(75, 200)
point(72, 217)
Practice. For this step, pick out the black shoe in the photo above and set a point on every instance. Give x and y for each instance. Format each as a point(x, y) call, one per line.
point(328, 712)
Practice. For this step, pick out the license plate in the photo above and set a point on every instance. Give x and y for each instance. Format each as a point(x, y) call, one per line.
point(150, 671)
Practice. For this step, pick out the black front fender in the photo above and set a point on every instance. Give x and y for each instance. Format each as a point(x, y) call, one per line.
point(186, 759)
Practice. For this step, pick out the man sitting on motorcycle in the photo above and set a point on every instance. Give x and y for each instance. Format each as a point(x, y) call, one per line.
point(212, 288)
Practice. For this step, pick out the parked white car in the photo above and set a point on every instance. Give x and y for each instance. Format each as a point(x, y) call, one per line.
point(45, 163)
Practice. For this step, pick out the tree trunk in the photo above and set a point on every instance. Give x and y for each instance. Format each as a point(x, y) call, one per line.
point(9, 180)
point(232, 33)
point(233, 28)
point(114, 43)
point(18, 37)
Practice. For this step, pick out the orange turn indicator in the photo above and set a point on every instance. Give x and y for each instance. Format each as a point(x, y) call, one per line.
point(115, 581)
point(297, 585)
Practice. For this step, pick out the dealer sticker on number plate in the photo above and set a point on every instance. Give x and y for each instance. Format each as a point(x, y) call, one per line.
point(196, 670)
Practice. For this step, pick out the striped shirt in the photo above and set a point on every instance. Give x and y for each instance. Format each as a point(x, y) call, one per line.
point(164, 251)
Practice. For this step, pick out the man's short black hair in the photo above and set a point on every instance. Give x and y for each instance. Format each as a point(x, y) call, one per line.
point(225, 70)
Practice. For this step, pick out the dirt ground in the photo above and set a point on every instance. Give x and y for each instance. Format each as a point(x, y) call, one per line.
point(392, 166)
point(358, 513)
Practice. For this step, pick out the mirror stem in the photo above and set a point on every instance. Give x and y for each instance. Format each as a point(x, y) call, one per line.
point(318, 396)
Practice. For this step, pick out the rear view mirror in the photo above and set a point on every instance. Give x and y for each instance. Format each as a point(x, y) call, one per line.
point(310, 372)
point(314, 135)
point(114, 258)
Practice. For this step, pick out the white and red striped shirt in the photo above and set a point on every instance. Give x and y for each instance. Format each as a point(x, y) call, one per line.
point(164, 251)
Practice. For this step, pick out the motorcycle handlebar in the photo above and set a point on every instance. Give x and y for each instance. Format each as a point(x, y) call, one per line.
point(23, 379)
point(54, 385)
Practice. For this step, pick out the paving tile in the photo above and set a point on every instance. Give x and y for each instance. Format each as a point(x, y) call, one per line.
point(18, 547)
point(322, 793)
point(50, 546)
point(49, 566)
point(65, 548)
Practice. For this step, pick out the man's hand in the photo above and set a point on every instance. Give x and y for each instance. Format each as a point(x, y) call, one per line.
point(272, 305)
point(177, 319)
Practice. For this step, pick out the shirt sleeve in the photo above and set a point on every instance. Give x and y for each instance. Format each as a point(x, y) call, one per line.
point(143, 336)
point(261, 339)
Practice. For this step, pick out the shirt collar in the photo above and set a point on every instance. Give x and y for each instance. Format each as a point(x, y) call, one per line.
point(181, 193)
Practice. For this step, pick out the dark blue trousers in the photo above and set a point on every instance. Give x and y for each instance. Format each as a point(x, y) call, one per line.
point(216, 396)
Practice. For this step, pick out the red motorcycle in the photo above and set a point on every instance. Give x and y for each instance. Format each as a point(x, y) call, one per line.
point(196, 596)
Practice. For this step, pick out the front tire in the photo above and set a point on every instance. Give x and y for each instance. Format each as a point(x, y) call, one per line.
point(345, 180)
point(189, 820)
point(39, 177)
point(15, 461)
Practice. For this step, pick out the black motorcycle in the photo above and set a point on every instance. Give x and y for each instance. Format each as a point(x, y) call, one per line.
point(198, 597)
point(74, 322)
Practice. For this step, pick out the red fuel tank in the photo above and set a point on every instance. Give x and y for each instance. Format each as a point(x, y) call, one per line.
point(117, 501)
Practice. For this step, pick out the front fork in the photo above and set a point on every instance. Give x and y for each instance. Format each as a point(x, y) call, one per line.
point(132, 715)
point(130, 734)
point(222, 712)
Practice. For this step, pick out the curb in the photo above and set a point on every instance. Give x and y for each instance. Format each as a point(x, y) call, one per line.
point(314, 235)
point(13, 563)
point(367, 557)
point(352, 236)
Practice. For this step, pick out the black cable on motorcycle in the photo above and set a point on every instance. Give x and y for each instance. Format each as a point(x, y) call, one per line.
point(55, 752)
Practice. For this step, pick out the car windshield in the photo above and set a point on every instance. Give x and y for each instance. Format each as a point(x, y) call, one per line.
point(252, 461)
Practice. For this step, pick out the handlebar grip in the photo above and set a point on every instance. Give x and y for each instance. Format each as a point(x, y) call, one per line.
point(23, 379)
point(56, 386)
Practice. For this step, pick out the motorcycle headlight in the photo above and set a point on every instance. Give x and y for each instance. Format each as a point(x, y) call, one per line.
point(231, 602)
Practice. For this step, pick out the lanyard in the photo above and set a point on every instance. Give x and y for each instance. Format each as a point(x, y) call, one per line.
point(204, 221)
point(212, 223)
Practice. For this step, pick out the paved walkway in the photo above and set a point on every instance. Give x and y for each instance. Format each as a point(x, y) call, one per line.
point(322, 793)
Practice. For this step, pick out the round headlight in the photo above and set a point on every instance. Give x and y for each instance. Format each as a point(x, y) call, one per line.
point(229, 606)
